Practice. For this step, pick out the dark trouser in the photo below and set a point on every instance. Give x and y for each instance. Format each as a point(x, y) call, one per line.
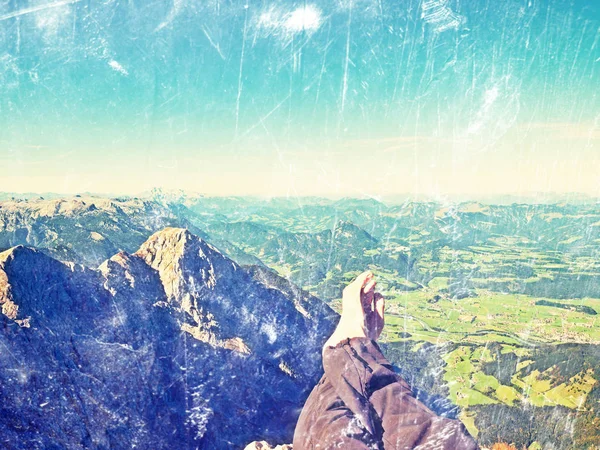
point(360, 403)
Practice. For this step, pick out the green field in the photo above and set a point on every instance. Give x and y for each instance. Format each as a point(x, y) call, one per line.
point(517, 324)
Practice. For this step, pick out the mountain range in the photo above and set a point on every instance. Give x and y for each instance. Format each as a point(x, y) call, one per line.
point(173, 346)
point(202, 315)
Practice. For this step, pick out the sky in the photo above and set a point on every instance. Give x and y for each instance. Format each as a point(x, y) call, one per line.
point(283, 98)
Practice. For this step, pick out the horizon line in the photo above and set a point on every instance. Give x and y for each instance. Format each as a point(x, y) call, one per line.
point(546, 197)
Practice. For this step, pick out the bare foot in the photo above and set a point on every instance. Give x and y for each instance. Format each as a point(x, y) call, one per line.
point(362, 311)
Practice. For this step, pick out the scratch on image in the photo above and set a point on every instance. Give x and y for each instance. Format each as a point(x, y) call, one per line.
point(115, 65)
point(439, 14)
point(200, 413)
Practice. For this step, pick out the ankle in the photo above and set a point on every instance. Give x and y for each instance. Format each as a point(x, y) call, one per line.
point(346, 330)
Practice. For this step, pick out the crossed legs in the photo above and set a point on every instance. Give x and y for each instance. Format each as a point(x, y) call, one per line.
point(360, 402)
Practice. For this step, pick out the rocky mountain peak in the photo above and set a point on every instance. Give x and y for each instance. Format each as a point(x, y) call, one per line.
point(231, 307)
point(345, 230)
point(8, 255)
point(185, 262)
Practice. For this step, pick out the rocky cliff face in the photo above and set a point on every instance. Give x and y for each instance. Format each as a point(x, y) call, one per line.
point(174, 346)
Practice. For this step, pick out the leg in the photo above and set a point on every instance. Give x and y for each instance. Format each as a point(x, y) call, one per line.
point(385, 403)
point(361, 403)
point(327, 423)
point(329, 418)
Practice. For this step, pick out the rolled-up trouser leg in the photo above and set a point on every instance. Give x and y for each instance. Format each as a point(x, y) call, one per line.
point(361, 403)
point(327, 423)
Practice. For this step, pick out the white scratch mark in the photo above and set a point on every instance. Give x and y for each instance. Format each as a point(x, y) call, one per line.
point(345, 80)
point(240, 84)
point(266, 116)
point(270, 330)
point(439, 14)
point(212, 43)
point(118, 67)
point(489, 98)
point(33, 9)
point(174, 12)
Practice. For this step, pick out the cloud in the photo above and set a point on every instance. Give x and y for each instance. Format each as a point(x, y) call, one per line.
point(304, 18)
point(286, 24)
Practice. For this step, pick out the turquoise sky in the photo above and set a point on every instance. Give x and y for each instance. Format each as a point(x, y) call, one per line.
point(297, 98)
